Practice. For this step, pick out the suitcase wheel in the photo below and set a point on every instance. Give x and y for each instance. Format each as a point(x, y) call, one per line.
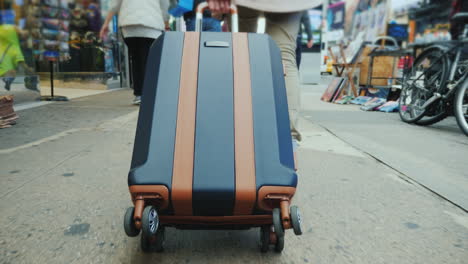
point(287, 217)
point(160, 239)
point(277, 222)
point(149, 221)
point(152, 233)
point(269, 237)
point(296, 220)
point(265, 238)
point(279, 245)
point(129, 223)
point(154, 243)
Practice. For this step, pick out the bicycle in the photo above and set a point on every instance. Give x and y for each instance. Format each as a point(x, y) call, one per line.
point(461, 106)
point(431, 87)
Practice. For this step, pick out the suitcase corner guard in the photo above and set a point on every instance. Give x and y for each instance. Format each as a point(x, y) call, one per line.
point(270, 197)
point(154, 194)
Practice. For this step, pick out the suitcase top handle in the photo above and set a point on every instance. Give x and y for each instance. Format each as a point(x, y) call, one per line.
point(261, 23)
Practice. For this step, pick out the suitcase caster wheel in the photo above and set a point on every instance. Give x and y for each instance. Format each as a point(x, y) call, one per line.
point(149, 221)
point(296, 220)
point(279, 230)
point(153, 243)
point(129, 223)
point(279, 246)
point(145, 243)
point(265, 238)
point(160, 239)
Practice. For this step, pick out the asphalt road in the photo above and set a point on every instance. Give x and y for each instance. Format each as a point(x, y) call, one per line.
point(63, 171)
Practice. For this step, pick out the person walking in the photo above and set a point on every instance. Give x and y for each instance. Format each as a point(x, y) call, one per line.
point(141, 22)
point(282, 24)
point(12, 59)
point(305, 22)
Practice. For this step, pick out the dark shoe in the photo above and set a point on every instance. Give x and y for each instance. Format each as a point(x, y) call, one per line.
point(8, 81)
point(296, 135)
point(31, 83)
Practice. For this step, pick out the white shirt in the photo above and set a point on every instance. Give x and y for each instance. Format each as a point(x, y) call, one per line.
point(140, 32)
point(140, 18)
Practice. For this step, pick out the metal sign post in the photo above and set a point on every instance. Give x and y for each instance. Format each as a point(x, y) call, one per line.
point(52, 97)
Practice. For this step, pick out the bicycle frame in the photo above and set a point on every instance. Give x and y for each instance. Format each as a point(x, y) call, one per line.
point(459, 45)
point(451, 82)
point(435, 78)
point(457, 56)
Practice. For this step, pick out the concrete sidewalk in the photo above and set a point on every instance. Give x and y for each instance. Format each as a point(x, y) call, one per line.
point(24, 96)
point(433, 156)
point(64, 191)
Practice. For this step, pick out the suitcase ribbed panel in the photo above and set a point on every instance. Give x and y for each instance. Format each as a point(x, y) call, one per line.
point(154, 142)
point(213, 180)
point(182, 178)
point(246, 192)
point(274, 161)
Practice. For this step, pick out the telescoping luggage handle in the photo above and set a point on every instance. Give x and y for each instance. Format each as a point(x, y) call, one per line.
point(261, 24)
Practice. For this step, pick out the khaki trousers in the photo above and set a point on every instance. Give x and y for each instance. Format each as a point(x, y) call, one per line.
point(283, 29)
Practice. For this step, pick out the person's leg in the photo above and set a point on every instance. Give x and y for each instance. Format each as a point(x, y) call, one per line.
point(298, 51)
point(144, 45)
point(283, 29)
point(247, 19)
point(8, 78)
point(132, 48)
point(8, 81)
point(30, 82)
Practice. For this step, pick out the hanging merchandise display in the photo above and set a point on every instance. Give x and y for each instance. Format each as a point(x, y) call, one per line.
point(58, 46)
point(48, 24)
point(335, 16)
point(85, 49)
point(335, 21)
point(372, 21)
point(431, 21)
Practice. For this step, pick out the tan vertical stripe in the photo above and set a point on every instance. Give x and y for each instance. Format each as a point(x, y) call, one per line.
point(243, 127)
point(182, 175)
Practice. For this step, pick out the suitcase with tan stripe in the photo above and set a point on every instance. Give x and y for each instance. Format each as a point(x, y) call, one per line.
point(213, 148)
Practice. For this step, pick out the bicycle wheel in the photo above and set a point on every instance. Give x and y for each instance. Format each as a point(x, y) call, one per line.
point(461, 107)
point(440, 110)
point(427, 76)
point(435, 113)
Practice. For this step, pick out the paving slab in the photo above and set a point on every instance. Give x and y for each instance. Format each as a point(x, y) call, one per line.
point(434, 156)
point(62, 201)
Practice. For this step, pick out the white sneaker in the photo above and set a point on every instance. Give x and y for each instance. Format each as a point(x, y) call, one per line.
point(295, 144)
point(137, 100)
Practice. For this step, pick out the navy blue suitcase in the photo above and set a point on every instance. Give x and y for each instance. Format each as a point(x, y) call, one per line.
point(213, 147)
